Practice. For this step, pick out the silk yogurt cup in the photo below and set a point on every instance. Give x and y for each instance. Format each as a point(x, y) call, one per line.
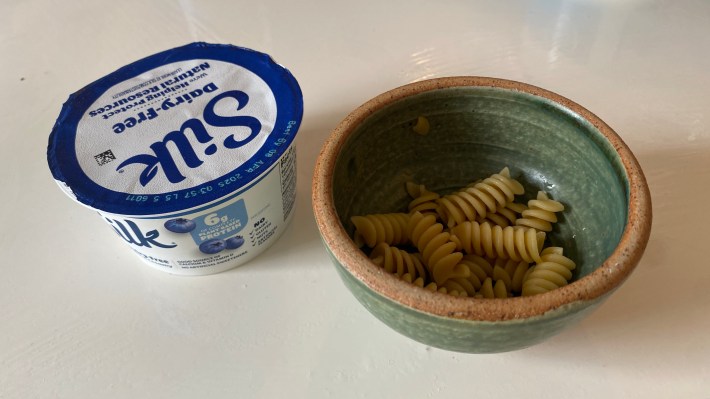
point(188, 155)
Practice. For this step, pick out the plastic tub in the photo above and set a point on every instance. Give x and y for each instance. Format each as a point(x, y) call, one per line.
point(188, 154)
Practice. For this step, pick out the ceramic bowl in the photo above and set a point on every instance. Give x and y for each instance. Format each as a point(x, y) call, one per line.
point(477, 126)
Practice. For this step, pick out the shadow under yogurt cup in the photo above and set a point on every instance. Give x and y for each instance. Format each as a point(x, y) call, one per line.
point(188, 154)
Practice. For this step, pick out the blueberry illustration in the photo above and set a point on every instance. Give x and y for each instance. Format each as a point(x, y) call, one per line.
point(180, 225)
point(234, 242)
point(213, 246)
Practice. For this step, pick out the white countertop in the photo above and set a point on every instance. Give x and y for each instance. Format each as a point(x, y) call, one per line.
point(82, 317)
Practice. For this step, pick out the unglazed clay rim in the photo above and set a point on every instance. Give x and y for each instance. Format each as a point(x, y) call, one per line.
point(615, 269)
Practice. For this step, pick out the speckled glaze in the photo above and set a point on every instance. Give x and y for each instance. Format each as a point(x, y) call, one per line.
point(479, 125)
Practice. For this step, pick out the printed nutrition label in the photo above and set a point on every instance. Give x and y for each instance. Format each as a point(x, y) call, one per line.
point(263, 230)
point(288, 180)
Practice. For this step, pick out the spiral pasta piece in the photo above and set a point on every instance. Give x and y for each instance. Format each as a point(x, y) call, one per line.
point(454, 288)
point(517, 243)
point(491, 290)
point(479, 269)
point(438, 252)
point(419, 281)
point(515, 270)
point(462, 284)
point(500, 289)
point(398, 261)
point(505, 216)
point(486, 196)
point(540, 213)
point(500, 274)
point(553, 271)
point(487, 289)
point(448, 287)
point(423, 200)
point(390, 228)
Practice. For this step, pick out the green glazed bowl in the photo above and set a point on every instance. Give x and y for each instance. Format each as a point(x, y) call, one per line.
point(478, 126)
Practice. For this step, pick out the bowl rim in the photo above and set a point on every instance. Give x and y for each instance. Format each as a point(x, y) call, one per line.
point(613, 271)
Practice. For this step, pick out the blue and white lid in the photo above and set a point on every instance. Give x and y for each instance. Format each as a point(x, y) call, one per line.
point(175, 130)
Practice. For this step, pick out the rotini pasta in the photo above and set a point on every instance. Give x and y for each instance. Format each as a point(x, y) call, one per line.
point(499, 274)
point(491, 290)
point(390, 228)
point(500, 290)
point(438, 252)
point(540, 213)
point(486, 196)
point(553, 271)
point(516, 271)
point(479, 269)
point(447, 288)
point(504, 216)
point(476, 242)
point(487, 289)
point(462, 283)
point(454, 288)
point(398, 261)
point(423, 200)
point(419, 281)
point(517, 243)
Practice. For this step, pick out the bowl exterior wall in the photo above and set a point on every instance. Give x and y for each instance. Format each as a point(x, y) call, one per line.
point(466, 335)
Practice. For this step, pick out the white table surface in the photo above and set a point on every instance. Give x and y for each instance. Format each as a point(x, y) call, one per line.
point(82, 317)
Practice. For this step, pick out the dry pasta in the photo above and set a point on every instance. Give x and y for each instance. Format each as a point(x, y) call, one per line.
point(493, 290)
point(423, 200)
point(499, 274)
point(448, 288)
point(479, 269)
point(540, 213)
point(454, 288)
point(465, 284)
point(398, 261)
point(504, 216)
point(477, 242)
point(487, 289)
point(517, 243)
point(390, 228)
point(553, 271)
point(500, 289)
point(516, 271)
point(486, 196)
point(438, 251)
point(419, 281)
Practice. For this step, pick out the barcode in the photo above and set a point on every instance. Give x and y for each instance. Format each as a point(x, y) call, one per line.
point(105, 157)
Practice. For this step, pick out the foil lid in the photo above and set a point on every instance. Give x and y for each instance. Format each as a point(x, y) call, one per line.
point(175, 130)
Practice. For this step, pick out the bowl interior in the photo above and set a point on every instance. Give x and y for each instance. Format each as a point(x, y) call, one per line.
point(475, 132)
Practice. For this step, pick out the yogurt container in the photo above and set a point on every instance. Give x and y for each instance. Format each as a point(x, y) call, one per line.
point(188, 155)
